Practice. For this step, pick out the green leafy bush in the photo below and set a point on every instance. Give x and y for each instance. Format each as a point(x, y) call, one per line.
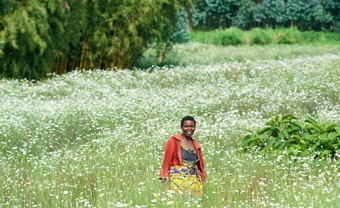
point(260, 36)
point(231, 36)
point(298, 137)
point(311, 36)
point(289, 36)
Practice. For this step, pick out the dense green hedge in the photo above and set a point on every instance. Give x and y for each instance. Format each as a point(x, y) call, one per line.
point(258, 36)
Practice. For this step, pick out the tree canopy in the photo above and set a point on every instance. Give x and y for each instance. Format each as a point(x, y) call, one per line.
point(246, 14)
point(40, 36)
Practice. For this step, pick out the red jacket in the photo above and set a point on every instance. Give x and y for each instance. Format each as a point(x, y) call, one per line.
point(173, 156)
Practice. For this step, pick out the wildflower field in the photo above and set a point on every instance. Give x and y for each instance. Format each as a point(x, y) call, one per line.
point(96, 138)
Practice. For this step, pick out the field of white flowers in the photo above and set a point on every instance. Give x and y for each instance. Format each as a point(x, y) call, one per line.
point(96, 138)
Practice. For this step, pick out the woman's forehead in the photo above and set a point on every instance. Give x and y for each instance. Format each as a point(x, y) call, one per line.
point(188, 122)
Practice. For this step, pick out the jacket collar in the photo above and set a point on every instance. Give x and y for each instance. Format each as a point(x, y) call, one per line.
point(179, 138)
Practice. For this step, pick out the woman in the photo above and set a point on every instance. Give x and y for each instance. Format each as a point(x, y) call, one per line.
point(183, 163)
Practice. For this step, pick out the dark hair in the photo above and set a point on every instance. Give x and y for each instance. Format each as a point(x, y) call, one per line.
point(188, 118)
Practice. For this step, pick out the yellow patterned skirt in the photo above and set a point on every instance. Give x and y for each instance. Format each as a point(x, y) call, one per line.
point(186, 178)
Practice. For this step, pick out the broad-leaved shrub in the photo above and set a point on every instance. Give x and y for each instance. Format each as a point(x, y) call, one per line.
point(298, 137)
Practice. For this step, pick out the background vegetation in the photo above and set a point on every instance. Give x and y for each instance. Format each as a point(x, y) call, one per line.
point(315, 15)
point(258, 36)
point(39, 37)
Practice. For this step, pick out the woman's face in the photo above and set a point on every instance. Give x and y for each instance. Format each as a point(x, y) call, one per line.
point(188, 128)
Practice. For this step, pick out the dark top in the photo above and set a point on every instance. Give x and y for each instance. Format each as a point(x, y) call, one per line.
point(189, 155)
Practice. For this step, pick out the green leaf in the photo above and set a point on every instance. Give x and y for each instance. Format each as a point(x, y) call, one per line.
point(288, 117)
point(294, 129)
point(296, 147)
point(326, 152)
point(271, 141)
point(299, 124)
point(314, 127)
point(311, 120)
point(296, 138)
point(264, 130)
point(247, 140)
point(302, 141)
point(324, 138)
point(330, 127)
point(282, 135)
point(282, 126)
point(332, 136)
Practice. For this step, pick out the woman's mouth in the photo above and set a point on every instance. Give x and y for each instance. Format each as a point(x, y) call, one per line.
point(189, 132)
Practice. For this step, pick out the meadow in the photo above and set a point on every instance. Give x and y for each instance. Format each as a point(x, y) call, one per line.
point(96, 138)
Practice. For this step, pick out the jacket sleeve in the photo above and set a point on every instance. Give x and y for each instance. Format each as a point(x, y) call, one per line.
point(168, 155)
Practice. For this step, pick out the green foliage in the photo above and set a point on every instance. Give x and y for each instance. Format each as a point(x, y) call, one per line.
point(320, 37)
point(160, 52)
point(247, 14)
point(26, 41)
point(181, 34)
point(289, 36)
point(260, 36)
point(231, 36)
point(298, 137)
point(213, 14)
point(58, 36)
point(311, 36)
point(1, 46)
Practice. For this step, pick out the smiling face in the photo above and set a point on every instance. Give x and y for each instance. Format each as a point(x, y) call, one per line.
point(188, 128)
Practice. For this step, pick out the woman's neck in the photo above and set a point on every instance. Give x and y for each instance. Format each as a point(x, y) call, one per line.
point(188, 138)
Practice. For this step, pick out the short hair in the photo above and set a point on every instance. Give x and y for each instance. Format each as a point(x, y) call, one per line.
point(188, 118)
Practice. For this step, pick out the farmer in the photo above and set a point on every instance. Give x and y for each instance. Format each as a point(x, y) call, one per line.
point(183, 165)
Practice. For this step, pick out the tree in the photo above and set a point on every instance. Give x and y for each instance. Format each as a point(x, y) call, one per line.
point(25, 31)
point(244, 17)
point(42, 36)
point(275, 13)
point(214, 13)
point(303, 14)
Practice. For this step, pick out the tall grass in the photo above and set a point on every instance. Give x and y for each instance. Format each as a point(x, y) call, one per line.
point(96, 138)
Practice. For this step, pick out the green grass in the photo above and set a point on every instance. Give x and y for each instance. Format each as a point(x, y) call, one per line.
point(96, 138)
point(199, 53)
point(207, 54)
